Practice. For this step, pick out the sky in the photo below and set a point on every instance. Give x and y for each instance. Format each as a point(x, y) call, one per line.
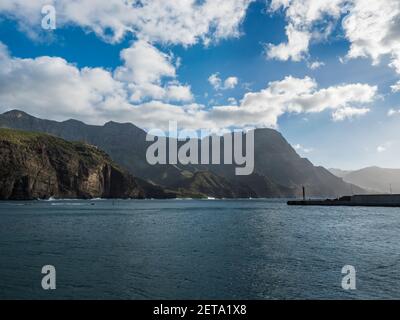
point(326, 74)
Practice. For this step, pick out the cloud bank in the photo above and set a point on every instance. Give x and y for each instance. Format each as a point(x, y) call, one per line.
point(51, 87)
point(371, 27)
point(183, 22)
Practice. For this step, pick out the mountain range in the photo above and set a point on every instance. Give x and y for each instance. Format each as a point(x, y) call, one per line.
point(373, 179)
point(278, 170)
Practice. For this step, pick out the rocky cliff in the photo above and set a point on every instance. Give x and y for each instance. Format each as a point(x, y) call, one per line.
point(36, 166)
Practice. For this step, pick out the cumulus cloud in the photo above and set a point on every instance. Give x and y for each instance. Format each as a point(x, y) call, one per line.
point(396, 87)
point(219, 84)
point(231, 82)
point(393, 112)
point(315, 65)
point(176, 92)
point(303, 16)
point(232, 101)
point(143, 63)
point(215, 81)
point(294, 49)
point(167, 21)
point(371, 27)
point(381, 149)
point(144, 69)
point(384, 147)
point(348, 113)
point(295, 95)
point(54, 88)
point(51, 86)
point(300, 148)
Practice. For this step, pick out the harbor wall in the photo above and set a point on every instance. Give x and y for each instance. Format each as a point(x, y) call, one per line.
point(376, 199)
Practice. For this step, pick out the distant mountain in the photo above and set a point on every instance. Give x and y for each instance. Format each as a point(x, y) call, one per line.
point(279, 171)
point(374, 179)
point(339, 173)
point(36, 165)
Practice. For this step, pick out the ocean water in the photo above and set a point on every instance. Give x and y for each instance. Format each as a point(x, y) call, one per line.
point(197, 249)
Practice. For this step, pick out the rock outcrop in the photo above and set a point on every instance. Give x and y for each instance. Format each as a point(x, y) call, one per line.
point(37, 166)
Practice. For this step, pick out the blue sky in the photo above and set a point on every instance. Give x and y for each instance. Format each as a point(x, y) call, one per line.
point(329, 133)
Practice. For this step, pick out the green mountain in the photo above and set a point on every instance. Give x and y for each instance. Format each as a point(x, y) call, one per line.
point(37, 165)
point(279, 171)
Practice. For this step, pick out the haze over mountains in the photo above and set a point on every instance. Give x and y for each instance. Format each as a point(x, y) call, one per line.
point(374, 179)
point(278, 172)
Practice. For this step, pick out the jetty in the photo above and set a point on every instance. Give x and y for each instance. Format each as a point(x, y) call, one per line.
point(368, 200)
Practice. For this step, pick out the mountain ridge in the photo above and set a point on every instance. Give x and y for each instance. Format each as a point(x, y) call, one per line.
point(278, 172)
point(373, 178)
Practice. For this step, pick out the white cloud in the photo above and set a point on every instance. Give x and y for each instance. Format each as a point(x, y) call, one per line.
point(381, 149)
point(316, 65)
point(306, 12)
point(300, 148)
point(232, 101)
point(348, 113)
point(393, 112)
point(295, 48)
point(231, 82)
point(53, 88)
point(179, 93)
point(302, 15)
point(144, 69)
point(143, 63)
point(215, 81)
point(294, 95)
point(371, 27)
point(218, 84)
point(396, 87)
point(167, 21)
point(384, 147)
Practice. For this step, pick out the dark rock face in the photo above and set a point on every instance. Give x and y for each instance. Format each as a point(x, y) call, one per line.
point(278, 172)
point(37, 166)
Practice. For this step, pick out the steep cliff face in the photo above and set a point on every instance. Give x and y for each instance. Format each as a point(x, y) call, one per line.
point(34, 165)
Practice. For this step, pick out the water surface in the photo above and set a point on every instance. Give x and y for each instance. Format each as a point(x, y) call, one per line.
point(197, 249)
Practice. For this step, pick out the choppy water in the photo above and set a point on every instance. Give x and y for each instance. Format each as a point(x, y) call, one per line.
point(197, 249)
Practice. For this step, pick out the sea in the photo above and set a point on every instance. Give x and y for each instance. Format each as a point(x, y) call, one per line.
point(197, 249)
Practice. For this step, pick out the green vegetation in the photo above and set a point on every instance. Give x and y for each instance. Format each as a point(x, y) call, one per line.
point(39, 166)
point(86, 153)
